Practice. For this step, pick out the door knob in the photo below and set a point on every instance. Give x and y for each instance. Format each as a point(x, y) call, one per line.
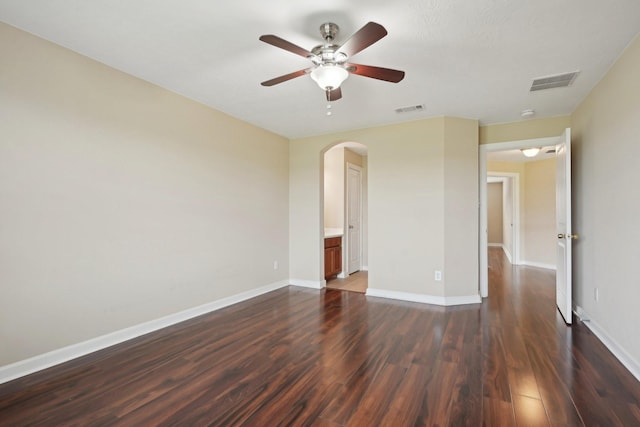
point(568, 236)
point(351, 227)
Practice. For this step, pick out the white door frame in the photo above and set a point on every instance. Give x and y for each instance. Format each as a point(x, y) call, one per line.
point(484, 149)
point(347, 205)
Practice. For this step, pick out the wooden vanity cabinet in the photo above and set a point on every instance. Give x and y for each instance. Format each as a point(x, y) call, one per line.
point(332, 257)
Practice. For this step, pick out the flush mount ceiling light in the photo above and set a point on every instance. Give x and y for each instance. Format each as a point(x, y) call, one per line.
point(530, 152)
point(525, 114)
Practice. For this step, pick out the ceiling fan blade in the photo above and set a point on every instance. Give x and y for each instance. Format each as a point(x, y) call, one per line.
point(334, 94)
point(386, 74)
point(283, 44)
point(286, 77)
point(362, 39)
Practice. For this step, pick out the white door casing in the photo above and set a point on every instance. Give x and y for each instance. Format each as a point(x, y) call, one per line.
point(482, 239)
point(563, 227)
point(354, 218)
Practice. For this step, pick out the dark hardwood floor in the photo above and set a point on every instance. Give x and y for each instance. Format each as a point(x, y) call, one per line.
point(333, 358)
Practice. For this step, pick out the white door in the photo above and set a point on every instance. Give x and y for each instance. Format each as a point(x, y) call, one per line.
point(354, 203)
point(563, 226)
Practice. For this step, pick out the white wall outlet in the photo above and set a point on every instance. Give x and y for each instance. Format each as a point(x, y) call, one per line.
point(275, 265)
point(596, 294)
point(438, 275)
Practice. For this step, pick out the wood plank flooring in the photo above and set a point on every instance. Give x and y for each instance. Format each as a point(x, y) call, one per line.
point(299, 357)
point(356, 282)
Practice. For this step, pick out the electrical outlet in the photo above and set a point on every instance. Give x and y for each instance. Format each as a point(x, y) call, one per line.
point(438, 275)
point(596, 294)
point(275, 265)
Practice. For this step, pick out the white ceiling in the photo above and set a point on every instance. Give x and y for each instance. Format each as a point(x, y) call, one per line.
point(465, 58)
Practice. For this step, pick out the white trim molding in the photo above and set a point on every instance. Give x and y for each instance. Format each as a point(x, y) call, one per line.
point(538, 265)
point(495, 245)
point(507, 254)
point(618, 351)
point(423, 298)
point(65, 354)
point(364, 268)
point(313, 284)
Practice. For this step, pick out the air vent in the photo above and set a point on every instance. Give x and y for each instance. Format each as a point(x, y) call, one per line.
point(410, 108)
point(549, 82)
point(551, 151)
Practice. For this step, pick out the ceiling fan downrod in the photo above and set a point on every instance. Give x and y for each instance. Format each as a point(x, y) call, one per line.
point(329, 31)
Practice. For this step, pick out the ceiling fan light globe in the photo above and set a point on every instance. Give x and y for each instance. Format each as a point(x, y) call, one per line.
point(329, 76)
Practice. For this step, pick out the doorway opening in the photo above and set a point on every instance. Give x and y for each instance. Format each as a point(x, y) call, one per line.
point(344, 216)
point(538, 231)
point(503, 213)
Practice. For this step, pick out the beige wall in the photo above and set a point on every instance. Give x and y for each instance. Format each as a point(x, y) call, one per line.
point(461, 201)
point(407, 170)
point(606, 205)
point(525, 129)
point(494, 213)
point(123, 202)
point(334, 161)
point(540, 213)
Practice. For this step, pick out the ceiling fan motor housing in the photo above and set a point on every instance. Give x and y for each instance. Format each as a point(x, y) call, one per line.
point(326, 54)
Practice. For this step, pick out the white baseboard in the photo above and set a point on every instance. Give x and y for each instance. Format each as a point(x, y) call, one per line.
point(65, 354)
point(308, 283)
point(582, 315)
point(343, 275)
point(364, 268)
point(507, 254)
point(538, 265)
point(425, 299)
point(495, 245)
point(620, 353)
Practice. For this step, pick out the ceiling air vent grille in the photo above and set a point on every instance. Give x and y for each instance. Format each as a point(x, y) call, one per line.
point(410, 108)
point(549, 82)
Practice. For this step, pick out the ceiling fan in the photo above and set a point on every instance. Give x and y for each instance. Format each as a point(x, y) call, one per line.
point(331, 66)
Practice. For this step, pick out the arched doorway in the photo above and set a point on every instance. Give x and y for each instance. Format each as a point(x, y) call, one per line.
point(344, 216)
